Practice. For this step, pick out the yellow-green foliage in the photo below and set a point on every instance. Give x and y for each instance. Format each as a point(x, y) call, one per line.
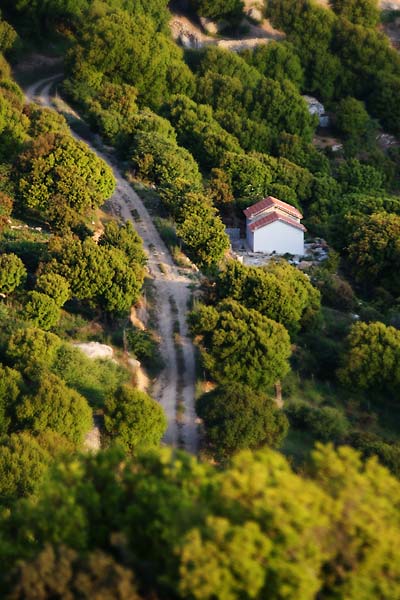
point(255, 530)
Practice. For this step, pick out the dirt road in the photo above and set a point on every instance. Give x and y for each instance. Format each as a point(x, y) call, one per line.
point(171, 289)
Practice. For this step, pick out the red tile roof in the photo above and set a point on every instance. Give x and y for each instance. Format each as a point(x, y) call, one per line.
point(271, 218)
point(270, 201)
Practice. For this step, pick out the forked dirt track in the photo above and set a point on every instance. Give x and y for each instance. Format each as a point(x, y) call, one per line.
point(171, 288)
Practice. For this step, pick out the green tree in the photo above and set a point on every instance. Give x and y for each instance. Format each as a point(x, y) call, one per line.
point(204, 574)
point(53, 405)
point(372, 360)
point(43, 121)
point(11, 385)
point(55, 286)
point(62, 180)
point(134, 420)
point(199, 132)
point(12, 273)
point(242, 346)
point(101, 274)
point(125, 238)
point(360, 12)
point(365, 526)
point(202, 231)
point(162, 161)
point(8, 36)
point(235, 418)
point(23, 463)
point(218, 9)
point(248, 176)
point(255, 529)
point(352, 118)
point(374, 249)
point(33, 350)
point(126, 48)
point(279, 291)
point(382, 102)
point(303, 154)
point(354, 176)
point(42, 310)
point(277, 60)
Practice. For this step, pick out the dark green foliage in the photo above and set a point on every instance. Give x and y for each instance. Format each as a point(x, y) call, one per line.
point(227, 83)
point(382, 101)
point(247, 176)
point(310, 30)
point(326, 423)
point(366, 56)
point(134, 420)
point(352, 118)
point(43, 121)
point(202, 231)
point(303, 154)
point(235, 418)
point(6, 206)
point(23, 463)
point(336, 292)
point(198, 131)
point(354, 176)
point(112, 110)
point(218, 9)
point(374, 249)
point(11, 384)
point(159, 159)
point(373, 445)
point(360, 12)
point(124, 238)
point(12, 273)
point(241, 346)
point(219, 188)
point(8, 36)
point(144, 346)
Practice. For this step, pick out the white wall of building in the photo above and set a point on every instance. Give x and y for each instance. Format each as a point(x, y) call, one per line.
point(276, 237)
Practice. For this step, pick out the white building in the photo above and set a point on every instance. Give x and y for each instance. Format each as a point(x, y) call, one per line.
point(274, 226)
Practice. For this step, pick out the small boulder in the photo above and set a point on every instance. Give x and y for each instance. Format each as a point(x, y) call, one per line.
point(255, 14)
point(209, 26)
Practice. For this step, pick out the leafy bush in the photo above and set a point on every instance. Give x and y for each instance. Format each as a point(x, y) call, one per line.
point(326, 423)
point(144, 346)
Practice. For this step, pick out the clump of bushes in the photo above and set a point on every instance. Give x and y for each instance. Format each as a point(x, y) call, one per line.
point(326, 423)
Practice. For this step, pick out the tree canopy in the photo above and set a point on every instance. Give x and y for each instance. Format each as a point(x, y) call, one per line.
point(236, 418)
point(372, 360)
point(134, 420)
point(62, 180)
point(241, 345)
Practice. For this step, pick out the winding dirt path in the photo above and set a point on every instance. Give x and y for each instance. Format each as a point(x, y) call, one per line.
point(171, 287)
